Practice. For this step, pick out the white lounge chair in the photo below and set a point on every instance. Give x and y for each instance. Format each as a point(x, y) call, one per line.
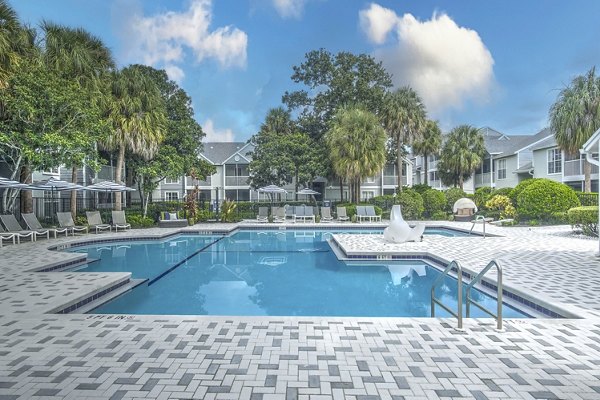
point(309, 214)
point(34, 225)
point(299, 213)
point(119, 221)
point(12, 226)
point(278, 214)
point(263, 214)
point(289, 212)
point(326, 214)
point(361, 213)
point(370, 210)
point(341, 214)
point(95, 221)
point(8, 236)
point(65, 220)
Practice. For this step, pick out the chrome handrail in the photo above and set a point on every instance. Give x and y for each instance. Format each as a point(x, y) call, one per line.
point(434, 301)
point(477, 278)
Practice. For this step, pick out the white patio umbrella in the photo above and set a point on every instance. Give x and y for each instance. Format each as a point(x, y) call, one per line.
point(109, 187)
point(271, 189)
point(464, 203)
point(308, 192)
point(54, 185)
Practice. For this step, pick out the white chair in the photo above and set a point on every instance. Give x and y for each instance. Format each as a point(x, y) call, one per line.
point(370, 211)
point(263, 214)
point(326, 214)
point(361, 213)
point(95, 221)
point(119, 221)
point(33, 224)
point(65, 220)
point(12, 226)
point(341, 214)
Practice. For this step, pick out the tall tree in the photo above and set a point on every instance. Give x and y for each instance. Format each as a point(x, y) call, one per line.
point(575, 116)
point(75, 54)
point(430, 143)
point(356, 142)
point(10, 31)
point(404, 118)
point(136, 113)
point(461, 155)
point(282, 154)
point(178, 153)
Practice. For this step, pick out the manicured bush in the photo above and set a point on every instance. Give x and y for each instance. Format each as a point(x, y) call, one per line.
point(452, 195)
point(543, 198)
point(439, 216)
point(481, 196)
point(139, 221)
point(412, 204)
point(503, 205)
point(584, 218)
point(384, 202)
point(434, 201)
point(421, 188)
point(505, 191)
point(514, 193)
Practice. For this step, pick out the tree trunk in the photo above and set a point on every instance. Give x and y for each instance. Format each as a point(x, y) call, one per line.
point(118, 177)
point(460, 182)
point(358, 190)
point(341, 190)
point(26, 195)
point(296, 184)
point(587, 172)
point(399, 166)
point(74, 193)
point(425, 166)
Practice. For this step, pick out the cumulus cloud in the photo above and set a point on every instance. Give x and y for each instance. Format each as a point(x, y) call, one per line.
point(445, 63)
point(163, 39)
point(289, 8)
point(174, 72)
point(216, 135)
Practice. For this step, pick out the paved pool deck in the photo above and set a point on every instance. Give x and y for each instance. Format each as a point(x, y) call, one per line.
point(46, 355)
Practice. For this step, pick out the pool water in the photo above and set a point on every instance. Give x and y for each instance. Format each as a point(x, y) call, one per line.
point(275, 273)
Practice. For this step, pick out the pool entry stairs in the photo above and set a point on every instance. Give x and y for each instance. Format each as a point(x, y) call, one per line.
point(458, 314)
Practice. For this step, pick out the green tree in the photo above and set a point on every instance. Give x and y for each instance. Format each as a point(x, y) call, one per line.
point(404, 118)
point(461, 155)
point(575, 116)
point(177, 155)
point(136, 113)
point(11, 33)
point(356, 142)
point(75, 54)
point(428, 144)
point(282, 154)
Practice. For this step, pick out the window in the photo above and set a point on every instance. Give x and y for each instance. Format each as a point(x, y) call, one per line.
point(370, 179)
point(433, 176)
point(554, 161)
point(237, 170)
point(366, 194)
point(171, 196)
point(169, 181)
point(389, 170)
point(51, 171)
point(501, 168)
point(237, 194)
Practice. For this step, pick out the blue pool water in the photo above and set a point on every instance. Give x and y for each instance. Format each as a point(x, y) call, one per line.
point(273, 273)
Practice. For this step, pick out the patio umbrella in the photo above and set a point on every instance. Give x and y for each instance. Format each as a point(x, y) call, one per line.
point(271, 189)
point(54, 185)
point(463, 203)
point(309, 192)
point(109, 187)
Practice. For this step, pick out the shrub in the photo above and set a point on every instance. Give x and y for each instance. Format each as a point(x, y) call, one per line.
point(514, 193)
point(228, 208)
point(384, 202)
point(439, 216)
point(204, 215)
point(411, 202)
point(505, 191)
point(139, 221)
point(351, 208)
point(421, 188)
point(543, 198)
point(481, 196)
point(584, 218)
point(434, 201)
point(452, 195)
point(503, 205)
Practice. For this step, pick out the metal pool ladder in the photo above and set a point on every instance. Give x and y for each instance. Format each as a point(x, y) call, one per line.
point(458, 314)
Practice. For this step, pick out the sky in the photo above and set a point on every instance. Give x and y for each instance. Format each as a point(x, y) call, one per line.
point(499, 64)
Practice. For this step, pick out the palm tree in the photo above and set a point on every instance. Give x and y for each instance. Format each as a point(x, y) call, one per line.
point(430, 143)
point(136, 113)
point(403, 117)
point(10, 29)
point(278, 120)
point(356, 143)
point(461, 155)
point(75, 54)
point(575, 116)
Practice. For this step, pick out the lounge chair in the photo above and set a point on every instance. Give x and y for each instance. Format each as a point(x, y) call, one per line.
point(34, 225)
point(278, 214)
point(309, 214)
point(361, 213)
point(289, 212)
point(371, 214)
point(119, 221)
point(299, 213)
point(12, 226)
point(8, 236)
point(263, 214)
point(341, 214)
point(95, 221)
point(326, 214)
point(65, 220)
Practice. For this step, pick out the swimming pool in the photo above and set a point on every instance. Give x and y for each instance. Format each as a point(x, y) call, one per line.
point(275, 273)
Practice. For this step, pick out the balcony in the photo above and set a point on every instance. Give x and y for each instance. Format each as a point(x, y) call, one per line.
point(575, 167)
point(483, 179)
point(106, 173)
point(436, 184)
point(389, 180)
point(432, 165)
point(189, 182)
point(236, 180)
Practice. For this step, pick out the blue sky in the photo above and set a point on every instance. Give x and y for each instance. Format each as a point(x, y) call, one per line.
point(498, 64)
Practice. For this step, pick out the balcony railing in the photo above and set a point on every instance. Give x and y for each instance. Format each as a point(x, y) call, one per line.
point(192, 182)
point(393, 180)
point(575, 167)
point(436, 184)
point(107, 173)
point(482, 179)
point(236, 180)
point(432, 165)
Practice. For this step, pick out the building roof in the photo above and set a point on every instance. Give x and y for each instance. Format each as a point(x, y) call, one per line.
point(550, 141)
point(501, 145)
point(524, 169)
point(219, 152)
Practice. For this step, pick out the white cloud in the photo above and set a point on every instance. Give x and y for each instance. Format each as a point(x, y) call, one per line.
point(289, 8)
point(445, 63)
point(216, 135)
point(163, 39)
point(175, 73)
